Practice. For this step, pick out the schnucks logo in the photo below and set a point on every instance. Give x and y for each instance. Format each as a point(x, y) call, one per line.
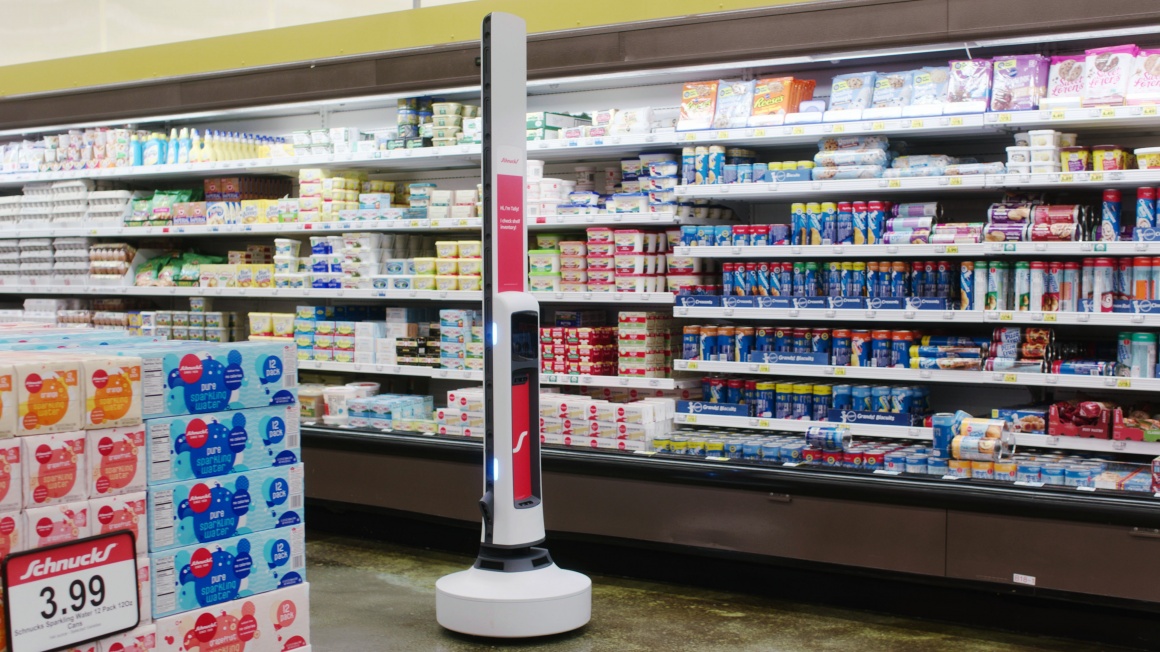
point(190, 368)
point(48, 565)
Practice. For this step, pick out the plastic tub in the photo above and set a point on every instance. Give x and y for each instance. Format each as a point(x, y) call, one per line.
point(1148, 158)
point(1044, 138)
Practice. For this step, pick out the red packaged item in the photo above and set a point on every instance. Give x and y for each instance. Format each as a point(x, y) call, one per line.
point(1080, 419)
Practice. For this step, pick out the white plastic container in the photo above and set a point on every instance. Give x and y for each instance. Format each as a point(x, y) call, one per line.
point(1044, 154)
point(1044, 138)
point(1018, 154)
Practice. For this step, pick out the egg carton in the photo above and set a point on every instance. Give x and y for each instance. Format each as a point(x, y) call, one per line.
point(7, 246)
point(70, 205)
point(10, 256)
point(38, 191)
point(78, 266)
point(74, 188)
point(112, 197)
point(36, 266)
point(79, 243)
point(34, 221)
point(35, 243)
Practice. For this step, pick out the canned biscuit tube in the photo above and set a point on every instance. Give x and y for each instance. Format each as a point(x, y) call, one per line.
point(947, 352)
point(1053, 232)
point(1005, 232)
point(920, 236)
point(980, 449)
point(982, 470)
point(953, 364)
point(909, 223)
point(989, 428)
point(1006, 471)
point(953, 340)
point(959, 468)
point(1059, 214)
point(1009, 214)
point(1014, 364)
point(829, 438)
point(925, 209)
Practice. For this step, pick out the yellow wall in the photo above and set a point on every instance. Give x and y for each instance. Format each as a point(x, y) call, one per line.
point(61, 44)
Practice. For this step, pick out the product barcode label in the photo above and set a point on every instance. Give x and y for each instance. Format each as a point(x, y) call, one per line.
point(293, 427)
point(164, 585)
point(296, 487)
point(159, 458)
point(163, 530)
point(298, 543)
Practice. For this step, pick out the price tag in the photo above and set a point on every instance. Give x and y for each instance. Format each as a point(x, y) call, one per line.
point(839, 371)
point(690, 136)
point(1004, 117)
point(797, 131)
point(1010, 378)
point(60, 596)
point(716, 458)
point(1058, 114)
point(693, 365)
point(877, 126)
point(916, 124)
point(1066, 178)
point(763, 369)
point(1006, 316)
point(894, 183)
point(1149, 109)
point(956, 122)
point(1050, 316)
point(839, 129)
point(955, 181)
point(759, 133)
point(1107, 112)
point(1096, 176)
point(952, 249)
point(1124, 383)
point(721, 135)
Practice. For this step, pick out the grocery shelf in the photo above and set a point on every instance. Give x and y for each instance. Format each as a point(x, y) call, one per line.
point(829, 314)
point(808, 134)
point(1107, 117)
point(544, 222)
point(392, 370)
point(1076, 318)
point(1090, 445)
point(585, 380)
point(1076, 180)
point(604, 297)
point(793, 425)
point(802, 190)
point(837, 373)
point(266, 293)
point(859, 252)
point(287, 228)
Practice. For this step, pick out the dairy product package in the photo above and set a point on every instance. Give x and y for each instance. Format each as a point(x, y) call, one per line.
point(144, 589)
point(278, 621)
point(211, 509)
point(203, 576)
point(208, 445)
point(8, 402)
point(930, 86)
point(1065, 81)
point(893, 89)
point(53, 469)
point(47, 526)
point(123, 512)
point(11, 476)
point(200, 377)
point(116, 460)
point(48, 394)
point(112, 390)
point(11, 536)
point(1107, 73)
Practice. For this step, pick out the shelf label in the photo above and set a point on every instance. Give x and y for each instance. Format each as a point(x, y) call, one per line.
point(797, 131)
point(956, 181)
point(1119, 444)
point(1124, 383)
point(1050, 316)
point(1058, 114)
point(839, 129)
point(763, 369)
point(885, 472)
point(1096, 176)
point(1010, 378)
point(1107, 112)
point(952, 249)
point(894, 183)
point(1006, 316)
point(721, 135)
point(716, 458)
point(646, 453)
point(690, 136)
point(1149, 109)
point(1018, 578)
point(877, 126)
point(1066, 178)
point(839, 371)
point(759, 133)
point(956, 122)
point(1004, 117)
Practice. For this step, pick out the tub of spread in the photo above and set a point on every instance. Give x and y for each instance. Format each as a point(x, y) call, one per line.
point(601, 275)
point(573, 248)
point(548, 240)
point(573, 276)
point(446, 266)
point(424, 266)
point(573, 287)
point(1048, 154)
point(627, 241)
point(1148, 158)
point(601, 248)
point(1044, 138)
point(543, 282)
point(601, 262)
point(573, 262)
point(544, 261)
point(1018, 154)
point(470, 266)
point(445, 283)
point(632, 264)
point(1109, 157)
point(598, 235)
point(470, 249)
point(423, 282)
point(1075, 159)
point(447, 249)
point(470, 283)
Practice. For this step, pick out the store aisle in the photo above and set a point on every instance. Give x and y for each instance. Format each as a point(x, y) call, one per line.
point(370, 596)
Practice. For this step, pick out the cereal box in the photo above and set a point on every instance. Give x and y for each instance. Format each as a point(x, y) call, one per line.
point(1108, 71)
point(116, 461)
point(112, 388)
point(124, 512)
point(698, 105)
point(1065, 81)
point(53, 468)
point(141, 639)
point(200, 377)
point(278, 621)
point(219, 443)
point(1144, 86)
point(48, 394)
point(202, 511)
point(46, 526)
point(196, 577)
point(11, 476)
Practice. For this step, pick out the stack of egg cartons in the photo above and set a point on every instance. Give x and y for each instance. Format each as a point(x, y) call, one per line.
point(70, 201)
point(108, 207)
point(70, 264)
point(10, 208)
point(36, 259)
point(10, 262)
point(36, 209)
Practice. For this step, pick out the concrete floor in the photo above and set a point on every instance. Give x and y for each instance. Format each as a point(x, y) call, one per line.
point(368, 596)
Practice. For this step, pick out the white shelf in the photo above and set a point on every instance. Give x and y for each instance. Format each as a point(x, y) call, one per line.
point(545, 222)
point(248, 229)
point(1115, 117)
point(860, 252)
point(1104, 383)
point(791, 425)
point(792, 190)
point(605, 297)
point(269, 293)
point(808, 134)
point(1078, 318)
point(1076, 180)
point(828, 314)
point(392, 370)
point(1091, 445)
point(584, 380)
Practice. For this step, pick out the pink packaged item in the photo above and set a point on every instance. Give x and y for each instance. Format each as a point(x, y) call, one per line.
point(54, 468)
point(11, 533)
point(142, 639)
point(1144, 85)
point(1065, 81)
point(46, 526)
point(1108, 71)
point(970, 80)
point(11, 476)
point(1018, 82)
point(124, 512)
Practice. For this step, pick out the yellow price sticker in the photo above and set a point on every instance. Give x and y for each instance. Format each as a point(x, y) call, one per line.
point(1058, 114)
point(953, 249)
point(1096, 176)
point(1123, 382)
point(1004, 117)
point(763, 369)
point(956, 122)
point(916, 124)
point(1050, 317)
point(839, 371)
point(877, 126)
point(894, 183)
point(1150, 109)
point(690, 418)
point(1107, 112)
point(956, 181)
point(1010, 378)
point(1006, 316)
point(722, 134)
point(693, 365)
point(839, 129)
point(690, 136)
point(759, 133)
point(1066, 178)
point(797, 131)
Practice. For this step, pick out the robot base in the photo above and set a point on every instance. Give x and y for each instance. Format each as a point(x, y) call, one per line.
point(549, 600)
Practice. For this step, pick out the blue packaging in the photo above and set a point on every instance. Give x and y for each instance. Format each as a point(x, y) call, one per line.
point(921, 398)
point(188, 447)
point(900, 353)
point(820, 407)
point(759, 238)
point(783, 339)
point(1077, 476)
point(770, 452)
point(733, 394)
point(689, 236)
point(708, 344)
point(782, 402)
point(898, 283)
point(916, 464)
point(706, 235)
point(744, 173)
point(810, 280)
point(799, 222)
point(844, 228)
point(688, 166)
point(881, 352)
point(857, 282)
point(840, 351)
point(802, 404)
point(792, 453)
point(741, 286)
point(730, 174)
point(843, 397)
point(778, 234)
point(833, 273)
point(727, 279)
point(764, 281)
point(901, 400)
point(722, 235)
point(859, 219)
point(1051, 474)
point(862, 397)
point(875, 222)
point(210, 509)
point(799, 280)
point(195, 577)
point(937, 466)
point(917, 281)
point(820, 340)
point(802, 338)
point(880, 398)
point(691, 346)
point(786, 279)
point(829, 223)
point(751, 279)
point(763, 339)
point(740, 238)
point(751, 450)
point(815, 224)
point(725, 349)
point(760, 172)
point(872, 276)
point(201, 377)
point(1110, 217)
point(1028, 472)
point(1145, 211)
point(744, 343)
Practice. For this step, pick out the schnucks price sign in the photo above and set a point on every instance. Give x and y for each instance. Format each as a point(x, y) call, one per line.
point(71, 593)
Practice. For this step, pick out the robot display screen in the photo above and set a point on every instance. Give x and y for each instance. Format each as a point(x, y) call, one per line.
point(525, 336)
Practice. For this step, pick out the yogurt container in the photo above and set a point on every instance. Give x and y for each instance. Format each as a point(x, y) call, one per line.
point(1018, 154)
point(1044, 138)
point(1075, 159)
point(1148, 158)
point(470, 283)
point(1109, 157)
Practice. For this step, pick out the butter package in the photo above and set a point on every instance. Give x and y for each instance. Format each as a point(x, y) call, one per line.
point(11, 477)
point(124, 512)
point(141, 639)
point(278, 621)
point(53, 469)
point(200, 377)
point(48, 394)
point(196, 577)
point(208, 445)
point(47, 526)
point(116, 461)
point(207, 510)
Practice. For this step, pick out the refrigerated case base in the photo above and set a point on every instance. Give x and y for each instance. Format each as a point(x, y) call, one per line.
point(1040, 552)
